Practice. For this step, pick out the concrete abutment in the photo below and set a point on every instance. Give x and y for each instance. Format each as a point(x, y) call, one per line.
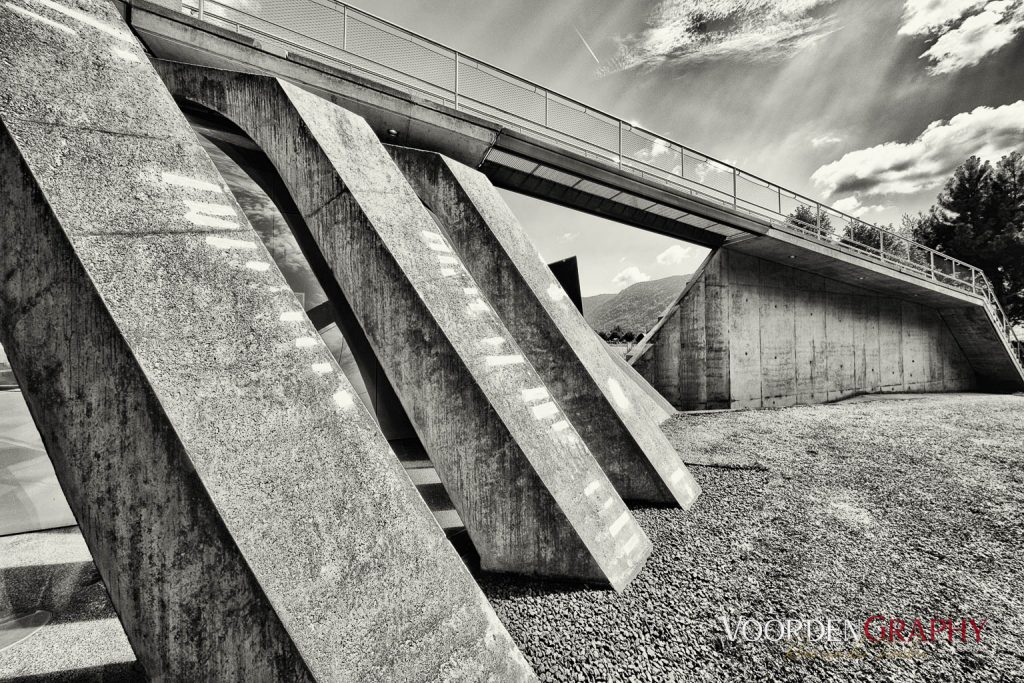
point(752, 333)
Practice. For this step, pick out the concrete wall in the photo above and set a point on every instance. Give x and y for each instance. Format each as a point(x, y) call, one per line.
point(751, 333)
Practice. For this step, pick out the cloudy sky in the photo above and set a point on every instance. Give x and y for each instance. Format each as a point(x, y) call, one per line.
point(865, 104)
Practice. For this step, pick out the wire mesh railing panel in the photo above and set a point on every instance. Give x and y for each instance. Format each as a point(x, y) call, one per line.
point(651, 154)
point(757, 194)
point(482, 85)
point(578, 122)
point(375, 42)
point(323, 22)
point(709, 174)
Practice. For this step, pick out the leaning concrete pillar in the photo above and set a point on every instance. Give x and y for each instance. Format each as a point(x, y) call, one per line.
point(532, 496)
point(607, 408)
point(247, 518)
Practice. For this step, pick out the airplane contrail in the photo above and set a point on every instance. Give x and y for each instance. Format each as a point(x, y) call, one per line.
point(584, 40)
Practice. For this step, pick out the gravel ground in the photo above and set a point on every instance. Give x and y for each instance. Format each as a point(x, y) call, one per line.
point(901, 508)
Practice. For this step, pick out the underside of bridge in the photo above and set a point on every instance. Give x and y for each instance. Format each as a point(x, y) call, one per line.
point(710, 206)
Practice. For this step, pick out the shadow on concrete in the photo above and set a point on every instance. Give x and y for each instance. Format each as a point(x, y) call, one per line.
point(500, 586)
point(119, 672)
point(71, 591)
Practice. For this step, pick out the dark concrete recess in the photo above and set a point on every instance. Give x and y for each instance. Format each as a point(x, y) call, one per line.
point(244, 513)
point(750, 333)
point(567, 273)
point(531, 494)
point(607, 409)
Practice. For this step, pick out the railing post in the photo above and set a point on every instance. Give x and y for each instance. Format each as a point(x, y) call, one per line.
point(931, 259)
point(344, 28)
point(817, 221)
point(735, 198)
point(545, 108)
point(202, 10)
point(620, 143)
point(456, 90)
point(881, 245)
point(974, 280)
point(779, 190)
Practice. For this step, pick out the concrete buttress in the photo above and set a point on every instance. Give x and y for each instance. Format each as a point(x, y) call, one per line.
point(532, 496)
point(608, 409)
point(246, 516)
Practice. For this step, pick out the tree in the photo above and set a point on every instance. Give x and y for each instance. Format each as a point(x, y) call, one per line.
point(628, 337)
point(979, 219)
point(1008, 214)
point(862, 234)
point(807, 218)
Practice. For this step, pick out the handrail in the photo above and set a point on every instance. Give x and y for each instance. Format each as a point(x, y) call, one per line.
point(468, 84)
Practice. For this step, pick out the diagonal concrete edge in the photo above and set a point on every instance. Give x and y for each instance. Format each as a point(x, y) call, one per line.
point(532, 496)
point(659, 408)
point(605, 406)
point(248, 519)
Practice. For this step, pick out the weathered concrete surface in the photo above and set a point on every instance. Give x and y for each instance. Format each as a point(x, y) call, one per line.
point(750, 333)
point(660, 409)
point(247, 518)
point(608, 410)
point(531, 494)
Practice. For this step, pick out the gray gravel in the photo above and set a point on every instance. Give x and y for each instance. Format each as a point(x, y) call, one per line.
point(908, 508)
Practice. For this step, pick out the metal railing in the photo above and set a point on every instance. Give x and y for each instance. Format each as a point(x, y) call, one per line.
point(360, 42)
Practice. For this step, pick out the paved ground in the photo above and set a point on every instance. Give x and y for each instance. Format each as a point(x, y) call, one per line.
point(30, 498)
point(902, 508)
point(905, 509)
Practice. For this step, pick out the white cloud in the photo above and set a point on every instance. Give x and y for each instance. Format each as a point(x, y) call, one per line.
point(930, 16)
point(977, 37)
point(826, 140)
point(926, 162)
point(852, 206)
point(965, 31)
point(675, 254)
point(629, 276)
point(688, 30)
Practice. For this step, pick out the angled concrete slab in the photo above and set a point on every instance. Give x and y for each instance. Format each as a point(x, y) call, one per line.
point(607, 408)
point(246, 516)
point(531, 494)
point(658, 406)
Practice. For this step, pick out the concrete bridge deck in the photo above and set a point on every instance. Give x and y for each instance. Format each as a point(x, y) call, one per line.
point(533, 141)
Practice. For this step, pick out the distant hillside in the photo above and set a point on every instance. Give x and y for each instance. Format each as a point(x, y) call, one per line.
point(592, 303)
point(634, 309)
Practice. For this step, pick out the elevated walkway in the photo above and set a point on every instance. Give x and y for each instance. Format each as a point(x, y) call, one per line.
point(417, 93)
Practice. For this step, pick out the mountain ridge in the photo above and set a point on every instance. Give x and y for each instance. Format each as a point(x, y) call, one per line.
point(636, 308)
